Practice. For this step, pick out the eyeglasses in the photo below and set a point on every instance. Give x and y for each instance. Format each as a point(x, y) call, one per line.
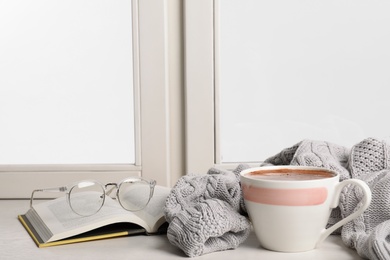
point(86, 198)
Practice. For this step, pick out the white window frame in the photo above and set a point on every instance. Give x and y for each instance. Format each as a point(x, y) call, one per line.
point(201, 86)
point(152, 125)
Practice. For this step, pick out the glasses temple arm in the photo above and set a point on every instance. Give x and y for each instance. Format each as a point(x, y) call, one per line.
point(59, 189)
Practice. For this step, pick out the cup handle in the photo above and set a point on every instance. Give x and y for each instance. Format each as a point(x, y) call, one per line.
point(365, 203)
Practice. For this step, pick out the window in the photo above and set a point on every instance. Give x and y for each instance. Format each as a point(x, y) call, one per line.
point(283, 71)
point(67, 83)
point(63, 56)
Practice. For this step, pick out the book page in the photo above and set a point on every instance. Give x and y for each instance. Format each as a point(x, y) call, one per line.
point(153, 213)
point(63, 222)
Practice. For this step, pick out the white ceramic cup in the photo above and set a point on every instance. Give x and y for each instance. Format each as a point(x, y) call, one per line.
point(290, 213)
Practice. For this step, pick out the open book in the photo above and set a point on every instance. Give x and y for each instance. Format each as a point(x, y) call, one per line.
point(53, 222)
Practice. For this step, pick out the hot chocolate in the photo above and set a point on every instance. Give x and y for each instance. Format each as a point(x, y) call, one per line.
point(290, 174)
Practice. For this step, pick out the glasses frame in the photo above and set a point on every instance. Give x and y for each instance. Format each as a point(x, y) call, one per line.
point(106, 192)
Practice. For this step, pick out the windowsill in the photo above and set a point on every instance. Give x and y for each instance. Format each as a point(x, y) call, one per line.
point(16, 243)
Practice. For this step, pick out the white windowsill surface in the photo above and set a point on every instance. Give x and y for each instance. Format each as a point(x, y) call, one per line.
point(15, 244)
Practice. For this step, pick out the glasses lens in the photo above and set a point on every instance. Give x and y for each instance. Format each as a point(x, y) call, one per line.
point(134, 194)
point(86, 198)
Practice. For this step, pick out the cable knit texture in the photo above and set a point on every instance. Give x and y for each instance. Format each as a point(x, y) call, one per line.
point(203, 212)
point(314, 153)
point(369, 234)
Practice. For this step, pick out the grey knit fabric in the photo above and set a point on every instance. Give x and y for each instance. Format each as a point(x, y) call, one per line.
point(368, 156)
point(285, 156)
point(369, 234)
point(203, 212)
point(314, 153)
point(210, 225)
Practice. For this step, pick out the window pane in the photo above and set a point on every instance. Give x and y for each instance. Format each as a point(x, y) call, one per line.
point(291, 70)
point(66, 82)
